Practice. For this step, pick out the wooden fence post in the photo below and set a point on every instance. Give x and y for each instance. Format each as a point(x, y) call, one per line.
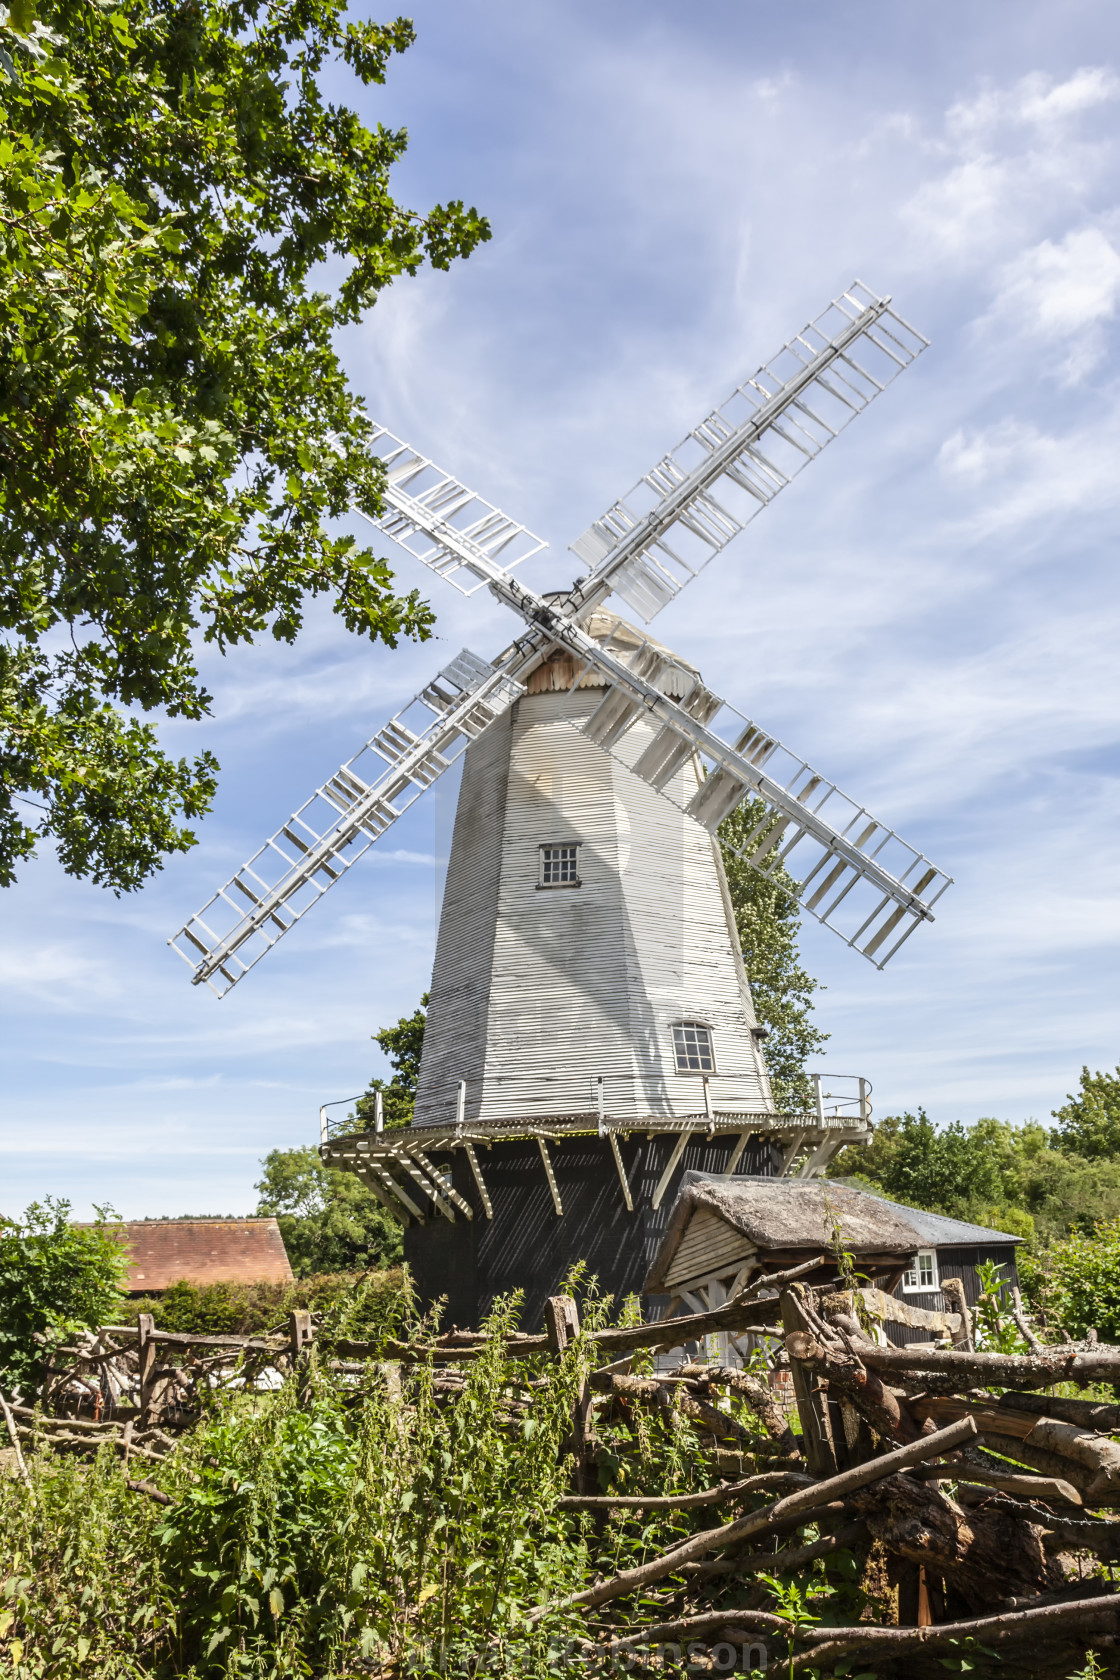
point(561, 1321)
point(145, 1325)
point(301, 1334)
point(561, 1317)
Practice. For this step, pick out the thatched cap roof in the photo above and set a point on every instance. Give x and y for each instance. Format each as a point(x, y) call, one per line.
point(787, 1218)
point(555, 670)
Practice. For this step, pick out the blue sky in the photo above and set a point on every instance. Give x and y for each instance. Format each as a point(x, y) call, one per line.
point(930, 614)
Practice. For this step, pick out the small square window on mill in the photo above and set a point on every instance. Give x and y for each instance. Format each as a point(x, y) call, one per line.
point(693, 1046)
point(559, 866)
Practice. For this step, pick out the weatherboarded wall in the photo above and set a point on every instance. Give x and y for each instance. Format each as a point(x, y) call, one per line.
point(538, 992)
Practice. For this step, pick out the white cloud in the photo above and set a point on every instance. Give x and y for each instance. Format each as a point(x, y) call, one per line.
point(1035, 100)
point(1063, 291)
point(1016, 157)
point(59, 975)
point(1020, 474)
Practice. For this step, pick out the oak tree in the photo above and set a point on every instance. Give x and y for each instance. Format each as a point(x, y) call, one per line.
point(178, 438)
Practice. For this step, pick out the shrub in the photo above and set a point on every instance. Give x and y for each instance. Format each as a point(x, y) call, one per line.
point(55, 1278)
point(247, 1309)
point(327, 1529)
point(1082, 1281)
point(329, 1220)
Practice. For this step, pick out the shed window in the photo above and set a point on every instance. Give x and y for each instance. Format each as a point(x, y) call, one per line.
point(559, 866)
point(923, 1273)
point(692, 1043)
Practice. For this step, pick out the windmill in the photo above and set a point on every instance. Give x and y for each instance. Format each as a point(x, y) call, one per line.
point(589, 1009)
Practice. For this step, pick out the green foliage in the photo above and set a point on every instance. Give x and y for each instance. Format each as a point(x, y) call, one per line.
point(404, 1046)
point(1089, 1124)
point(767, 919)
point(248, 1309)
point(1013, 1178)
point(1080, 1281)
point(177, 436)
point(329, 1221)
point(995, 1328)
point(55, 1277)
point(341, 1534)
point(916, 1162)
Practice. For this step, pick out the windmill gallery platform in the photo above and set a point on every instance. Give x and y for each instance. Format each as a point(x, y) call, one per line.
point(591, 1033)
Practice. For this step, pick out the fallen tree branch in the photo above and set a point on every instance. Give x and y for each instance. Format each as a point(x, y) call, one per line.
point(684, 1501)
point(1005, 1370)
point(757, 1396)
point(778, 1280)
point(1028, 1487)
point(1020, 1320)
point(830, 1644)
point(1036, 1458)
point(150, 1490)
point(833, 1642)
point(663, 1333)
point(10, 1423)
point(1100, 1415)
point(781, 1562)
point(758, 1522)
point(848, 1375)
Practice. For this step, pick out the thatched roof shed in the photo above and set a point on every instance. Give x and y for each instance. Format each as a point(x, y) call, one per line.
point(722, 1227)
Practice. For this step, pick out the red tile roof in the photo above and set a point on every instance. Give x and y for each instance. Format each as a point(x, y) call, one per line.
point(167, 1251)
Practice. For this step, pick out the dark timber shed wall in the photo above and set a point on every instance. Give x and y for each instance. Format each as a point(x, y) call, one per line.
point(954, 1262)
point(527, 1246)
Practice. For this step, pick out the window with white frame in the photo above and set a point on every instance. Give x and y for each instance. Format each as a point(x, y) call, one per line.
point(923, 1273)
point(559, 866)
point(692, 1046)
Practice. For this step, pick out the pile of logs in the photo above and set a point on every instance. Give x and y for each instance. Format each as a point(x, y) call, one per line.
point(978, 1509)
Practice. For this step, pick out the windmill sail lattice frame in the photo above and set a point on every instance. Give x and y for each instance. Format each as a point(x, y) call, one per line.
point(853, 873)
point(341, 821)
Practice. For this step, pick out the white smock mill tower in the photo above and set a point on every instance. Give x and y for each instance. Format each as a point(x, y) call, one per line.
point(587, 959)
point(590, 1033)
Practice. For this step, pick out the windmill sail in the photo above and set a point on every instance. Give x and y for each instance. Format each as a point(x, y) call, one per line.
point(654, 539)
point(850, 871)
point(834, 852)
point(341, 820)
point(455, 532)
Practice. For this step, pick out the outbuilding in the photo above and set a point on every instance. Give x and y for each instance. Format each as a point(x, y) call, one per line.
point(202, 1251)
point(723, 1231)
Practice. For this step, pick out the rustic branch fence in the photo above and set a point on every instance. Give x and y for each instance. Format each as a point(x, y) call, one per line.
point(989, 1498)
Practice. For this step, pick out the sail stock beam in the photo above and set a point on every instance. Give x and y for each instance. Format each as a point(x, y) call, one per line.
point(701, 495)
point(341, 820)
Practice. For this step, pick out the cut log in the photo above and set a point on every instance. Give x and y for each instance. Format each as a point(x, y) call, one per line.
point(1094, 1452)
point(1025, 1487)
point(1103, 1416)
point(1036, 1458)
point(985, 1556)
point(846, 1373)
point(1003, 1370)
